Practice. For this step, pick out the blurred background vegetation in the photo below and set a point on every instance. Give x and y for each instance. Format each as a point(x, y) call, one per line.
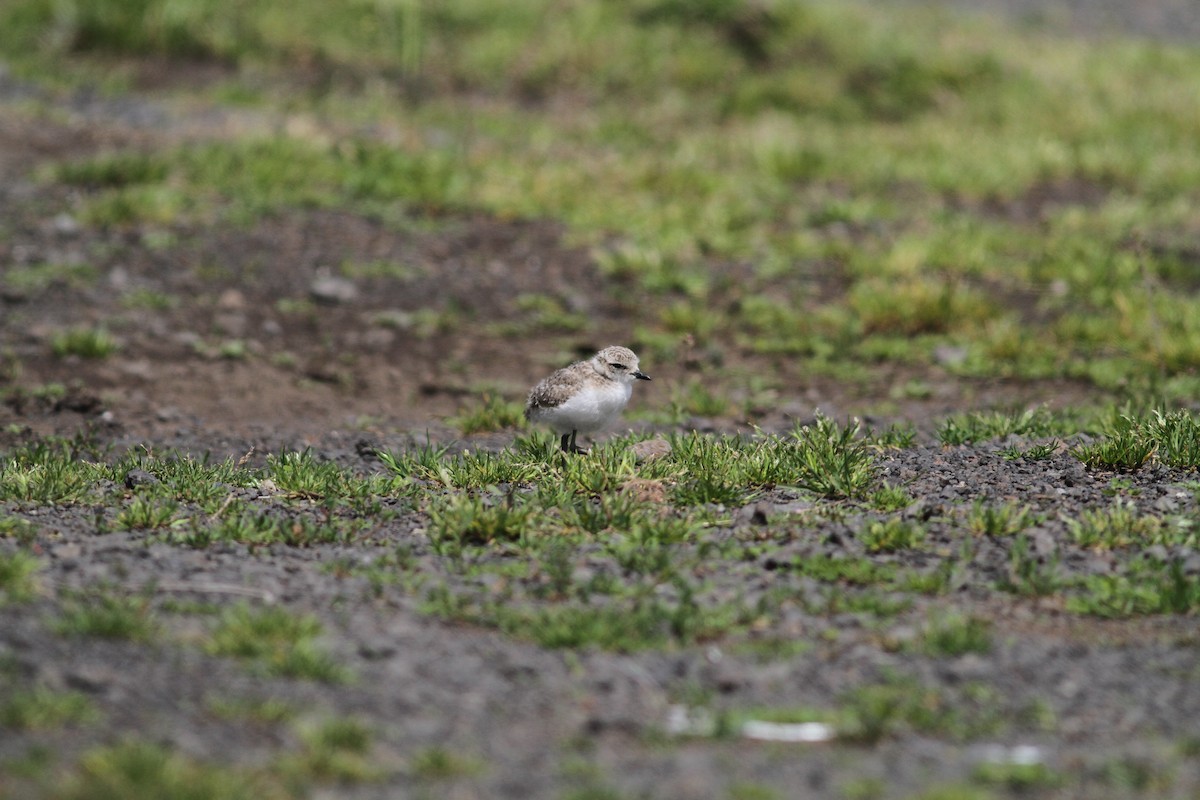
point(837, 184)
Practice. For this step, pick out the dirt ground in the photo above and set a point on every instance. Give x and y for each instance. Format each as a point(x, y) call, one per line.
point(348, 366)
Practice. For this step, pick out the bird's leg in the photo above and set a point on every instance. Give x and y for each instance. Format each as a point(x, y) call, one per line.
point(576, 448)
point(566, 439)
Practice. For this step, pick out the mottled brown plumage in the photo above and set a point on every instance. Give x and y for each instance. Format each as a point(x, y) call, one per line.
point(586, 396)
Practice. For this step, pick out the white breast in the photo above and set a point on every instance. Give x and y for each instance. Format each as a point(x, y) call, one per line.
point(592, 408)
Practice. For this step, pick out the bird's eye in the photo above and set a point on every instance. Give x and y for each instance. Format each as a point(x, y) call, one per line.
point(615, 365)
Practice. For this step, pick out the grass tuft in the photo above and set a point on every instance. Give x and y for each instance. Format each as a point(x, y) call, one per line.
point(1149, 587)
point(1130, 442)
point(135, 770)
point(17, 577)
point(956, 634)
point(84, 342)
point(105, 614)
point(831, 460)
point(275, 641)
point(891, 535)
point(1006, 519)
point(494, 413)
point(43, 709)
point(982, 426)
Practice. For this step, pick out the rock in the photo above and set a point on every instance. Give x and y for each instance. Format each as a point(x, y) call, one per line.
point(621, 696)
point(66, 225)
point(376, 650)
point(231, 300)
point(1166, 504)
point(754, 514)
point(950, 355)
point(140, 369)
point(80, 402)
point(332, 290)
point(1044, 543)
point(139, 477)
point(118, 278)
point(378, 339)
point(1157, 552)
point(650, 449)
point(91, 678)
point(12, 294)
point(67, 551)
point(231, 323)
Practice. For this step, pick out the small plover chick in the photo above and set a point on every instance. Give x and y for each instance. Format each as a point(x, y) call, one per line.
point(586, 396)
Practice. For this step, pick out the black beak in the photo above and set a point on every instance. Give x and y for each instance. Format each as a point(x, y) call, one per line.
point(641, 376)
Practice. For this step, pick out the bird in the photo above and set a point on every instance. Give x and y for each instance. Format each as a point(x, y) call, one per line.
point(585, 396)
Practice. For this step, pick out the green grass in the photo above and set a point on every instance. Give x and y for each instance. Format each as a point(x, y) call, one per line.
point(955, 634)
point(493, 413)
point(18, 581)
point(472, 519)
point(300, 473)
point(84, 342)
point(624, 624)
point(258, 711)
point(1037, 452)
point(1125, 448)
point(1003, 519)
point(44, 709)
point(146, 514)
point(106, 614)
point(891, 535)
point(890, 498)
point(35, 278)
point(195, 503)
point(137, 770)
point(600, 551)
point(901, 114)
point(834, 461)
point(751, 791)
point(1134, 774)
point(854, 571)
point(981, 426)
point(1118, 526)
point(260, 528)
point(47, 473)
point(1130, 441)
point(954, 791)
point(1018, 778)
point(150, 300)
point(909, 150)
point(113, 170)
point(19, 529)
point(186, 479)
point(335, 751)
point(1148, 587)
point(825, 458)
point(440, 764)
point(276, 642)
point(540, 313)
point(872, 712)
point(1029, 575)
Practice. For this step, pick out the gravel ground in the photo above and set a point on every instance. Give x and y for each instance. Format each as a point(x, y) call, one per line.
point(1086, 697)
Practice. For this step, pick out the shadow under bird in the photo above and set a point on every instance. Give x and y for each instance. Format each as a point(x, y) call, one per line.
point(586, 396)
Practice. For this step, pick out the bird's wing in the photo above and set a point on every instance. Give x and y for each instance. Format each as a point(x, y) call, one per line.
point(555, 390)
